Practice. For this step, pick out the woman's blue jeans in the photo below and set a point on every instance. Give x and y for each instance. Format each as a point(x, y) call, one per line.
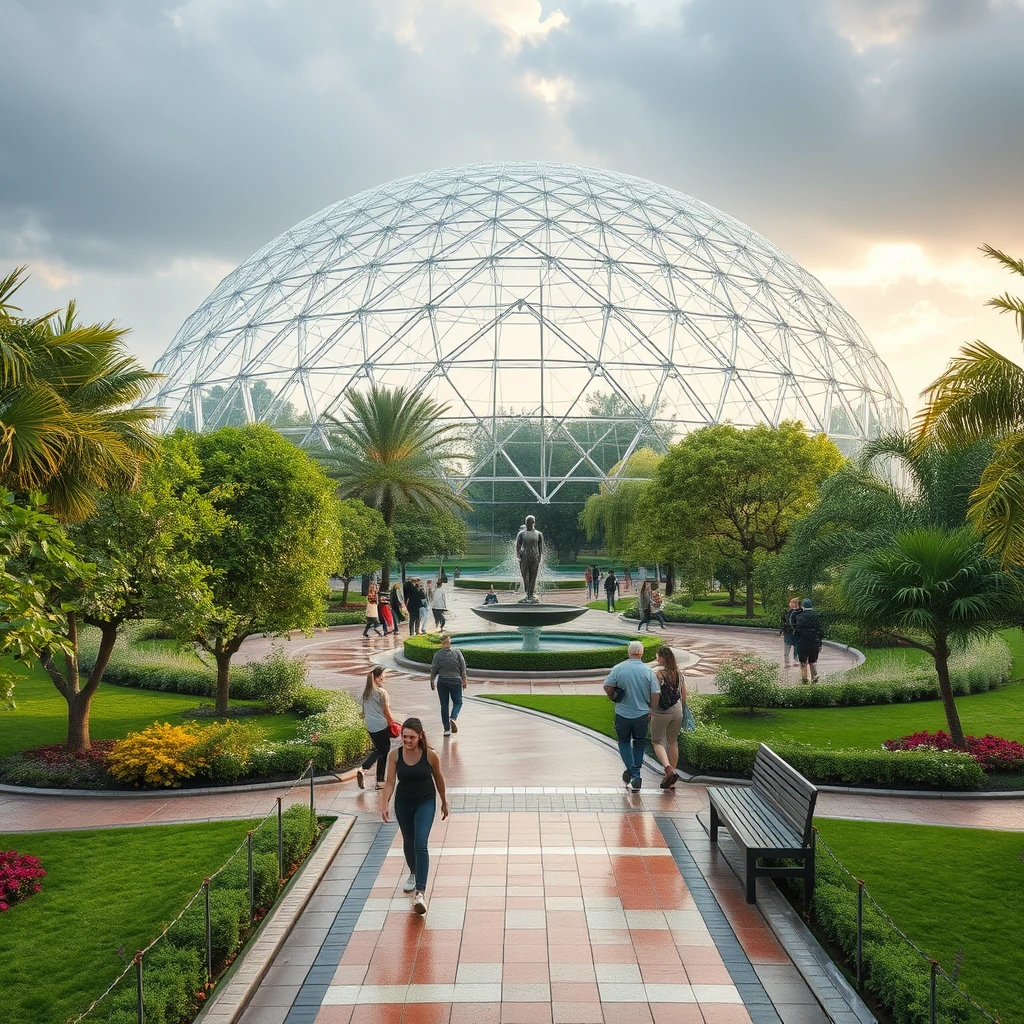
point(415, 820)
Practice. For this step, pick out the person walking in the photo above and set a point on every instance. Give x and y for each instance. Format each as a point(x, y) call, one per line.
point(448, 677)
point(414, 776)
point(395, 603)
point(611, 587)
point(589, 577)
point(667, 715)
point(644, 602)
point(631, 685)
point(413, 604)
point(627, 582)
point(789, 613)
point(372, 612)
point(597, 581)
point(424, 605)
point(439, 605)
point(657, 603)
point(808, 633)
point(378, 718)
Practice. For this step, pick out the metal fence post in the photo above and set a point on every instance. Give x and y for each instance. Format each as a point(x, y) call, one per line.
point(252, 880)
point(209, 932)
point(312, 809)
point(140, 1011)
point(931, 999)
point(860, 931)
point(280, 842)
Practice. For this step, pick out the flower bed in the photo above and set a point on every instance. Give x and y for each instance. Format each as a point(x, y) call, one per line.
point(19, 877)
point(424, 646)
point(991, 752)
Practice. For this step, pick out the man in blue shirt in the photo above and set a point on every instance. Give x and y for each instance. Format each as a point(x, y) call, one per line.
point(633, 712)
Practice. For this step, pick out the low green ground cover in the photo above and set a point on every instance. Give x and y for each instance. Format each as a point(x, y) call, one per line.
point(40, 717)
point(106, 894)
point(917, 874)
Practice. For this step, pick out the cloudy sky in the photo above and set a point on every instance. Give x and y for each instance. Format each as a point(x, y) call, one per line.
point(148, 147)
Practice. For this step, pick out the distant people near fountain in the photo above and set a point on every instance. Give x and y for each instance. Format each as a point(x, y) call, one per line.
point(491, 597)
point(611, 588)
point(529, 550)
point(589, 577)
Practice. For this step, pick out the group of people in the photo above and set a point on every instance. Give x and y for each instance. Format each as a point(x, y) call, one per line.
point(802, 631)
point(412, 600)
point(647, 699)
point(387, 611)
point(650, 602)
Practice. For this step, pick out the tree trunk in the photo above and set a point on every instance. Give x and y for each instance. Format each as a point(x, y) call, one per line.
point(402, 566)
point(80, 701)
point(223, 667)
point(77, 741)
point(731, 587)
point(385, 577)
point(956, 731)
point(670, 579)
point(748, 577)
point(344, 592)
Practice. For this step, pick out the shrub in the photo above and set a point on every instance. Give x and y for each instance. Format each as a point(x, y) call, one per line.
point(160, 755)
point(680, 599)
point(223, 750)
point(678, 613)
point(749, 682)
point(288, 759)
point(19, 877)
point(710, 751)
point(991, 752)
point(53, 767)
point(422, 648)
point(277, 680)
point(344, 618)
point(309, 700)
point(341, 713)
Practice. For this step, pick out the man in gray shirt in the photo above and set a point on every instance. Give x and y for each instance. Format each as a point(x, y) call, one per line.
point(632, 713)
point(448, 677)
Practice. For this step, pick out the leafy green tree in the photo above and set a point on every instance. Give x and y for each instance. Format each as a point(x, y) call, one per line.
point(732, 494)
point(420, 533)
point(69, 425)
point(366, 541)
point(267, 569)
point(391, 449)
point(610, 514)
point(935, 590)
point(981, 396)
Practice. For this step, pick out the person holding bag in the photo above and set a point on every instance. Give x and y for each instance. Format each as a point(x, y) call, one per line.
point(395, 601)
point(380, 724)
point(372, 612)
point(667, 715)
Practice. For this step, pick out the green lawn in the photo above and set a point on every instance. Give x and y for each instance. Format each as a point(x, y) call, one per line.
point(621, 604)
point(40, 717)
point(105, 890)
point(917, 873)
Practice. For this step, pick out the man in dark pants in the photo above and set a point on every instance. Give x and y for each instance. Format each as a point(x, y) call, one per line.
point(639, 687)
point(611, 586)
point(808, 632)
point(448, 672)
point(413, 604)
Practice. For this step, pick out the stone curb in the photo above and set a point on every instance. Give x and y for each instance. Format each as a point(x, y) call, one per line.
point(714, 780)
point(134, 794)
point(239, 985)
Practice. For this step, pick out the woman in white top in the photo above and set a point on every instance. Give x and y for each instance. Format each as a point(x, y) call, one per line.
point(439, 605)
point(377, 714)
point(372, 612)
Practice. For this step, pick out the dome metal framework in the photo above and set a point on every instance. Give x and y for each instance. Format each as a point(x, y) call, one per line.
point(567, 316)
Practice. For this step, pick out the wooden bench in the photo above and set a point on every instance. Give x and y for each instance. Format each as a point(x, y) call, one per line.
point(769, 820)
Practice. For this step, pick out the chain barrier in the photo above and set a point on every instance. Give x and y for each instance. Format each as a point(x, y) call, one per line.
point(935, 967)
point(135, 963)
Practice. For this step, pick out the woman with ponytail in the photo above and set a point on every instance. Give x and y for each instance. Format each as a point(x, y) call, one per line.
point(415, 769)
point(377, 714)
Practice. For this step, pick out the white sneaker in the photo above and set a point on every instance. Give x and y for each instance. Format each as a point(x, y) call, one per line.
point(410, 883)
point(419, 904)
point(447, 732)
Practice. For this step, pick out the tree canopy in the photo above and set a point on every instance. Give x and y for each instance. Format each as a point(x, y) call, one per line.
point(366, 541)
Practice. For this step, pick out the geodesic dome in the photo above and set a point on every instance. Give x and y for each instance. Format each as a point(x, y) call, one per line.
point(566, 315)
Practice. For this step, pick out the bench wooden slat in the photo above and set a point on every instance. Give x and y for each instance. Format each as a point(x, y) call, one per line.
point(772, 819)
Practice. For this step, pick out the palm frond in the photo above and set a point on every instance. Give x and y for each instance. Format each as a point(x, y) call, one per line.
point(997, 506)
point(979, 395)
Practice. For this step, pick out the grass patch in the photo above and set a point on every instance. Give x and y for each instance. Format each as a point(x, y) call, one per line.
point(105, 890)
point(917, 874)
point(621, 604)
point(593, 710)
point(40, 717)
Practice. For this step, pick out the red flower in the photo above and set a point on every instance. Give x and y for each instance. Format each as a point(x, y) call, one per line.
point(993, 753)
point(19, 876)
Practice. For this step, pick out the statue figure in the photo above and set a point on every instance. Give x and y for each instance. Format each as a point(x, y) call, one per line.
point(529, 548)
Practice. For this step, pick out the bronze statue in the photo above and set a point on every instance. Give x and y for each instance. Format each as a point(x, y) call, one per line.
point(529, 548)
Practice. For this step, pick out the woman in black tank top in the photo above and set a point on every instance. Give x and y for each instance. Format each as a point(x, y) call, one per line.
point(416, 770)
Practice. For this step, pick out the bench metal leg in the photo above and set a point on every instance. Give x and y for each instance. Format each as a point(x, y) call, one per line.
point(809, 878)
point(713, 831)
point(751, 876)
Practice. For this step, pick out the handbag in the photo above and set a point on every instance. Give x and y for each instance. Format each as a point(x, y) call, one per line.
point(394, 728)
point(689, 723)
point(617, 695)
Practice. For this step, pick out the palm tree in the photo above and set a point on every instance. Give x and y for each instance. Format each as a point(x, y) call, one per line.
point(390, 448)
point(981, 395)
point(934, 590)
point(68, 425)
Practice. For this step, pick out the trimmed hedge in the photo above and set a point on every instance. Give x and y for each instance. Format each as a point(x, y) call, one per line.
point(344, 618)
point(175, 970)
point(464, 584)
point(709, 751)
point(424, 646)
point(676, 613)
point(898, 976)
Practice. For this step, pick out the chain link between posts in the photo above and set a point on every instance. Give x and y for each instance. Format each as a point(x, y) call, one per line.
point(932, 963)
point(199, 892)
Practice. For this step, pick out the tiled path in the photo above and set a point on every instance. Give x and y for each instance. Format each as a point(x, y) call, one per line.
point(536, 917)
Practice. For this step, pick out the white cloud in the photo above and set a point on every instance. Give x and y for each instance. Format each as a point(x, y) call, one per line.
point(553, 91)
point(923, 323)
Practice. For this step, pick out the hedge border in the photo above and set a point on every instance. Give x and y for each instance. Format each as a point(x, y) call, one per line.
point(422, 647)
point(473, 584)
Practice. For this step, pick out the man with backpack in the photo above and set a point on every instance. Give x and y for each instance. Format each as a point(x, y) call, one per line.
point(808, 633)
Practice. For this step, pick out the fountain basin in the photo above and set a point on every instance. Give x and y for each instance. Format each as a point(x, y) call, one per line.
point(536, 615)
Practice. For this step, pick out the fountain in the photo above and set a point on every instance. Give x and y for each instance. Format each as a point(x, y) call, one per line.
point(529, 615)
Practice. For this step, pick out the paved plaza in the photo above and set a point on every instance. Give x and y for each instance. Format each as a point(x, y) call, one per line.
point(555, 895)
